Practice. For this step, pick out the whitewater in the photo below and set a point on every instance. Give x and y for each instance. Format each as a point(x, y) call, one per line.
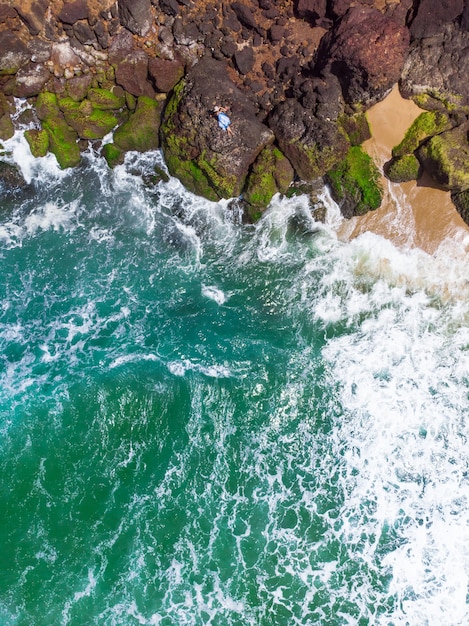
point(204, 422)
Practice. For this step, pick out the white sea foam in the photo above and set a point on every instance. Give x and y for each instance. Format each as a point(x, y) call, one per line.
point(215, 294)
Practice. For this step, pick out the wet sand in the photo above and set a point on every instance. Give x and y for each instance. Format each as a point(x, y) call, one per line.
point(412, 214)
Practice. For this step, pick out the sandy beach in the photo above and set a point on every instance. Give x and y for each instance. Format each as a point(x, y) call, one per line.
point(413, 214)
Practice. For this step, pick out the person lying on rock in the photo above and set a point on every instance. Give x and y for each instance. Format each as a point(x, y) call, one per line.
point(224, 121)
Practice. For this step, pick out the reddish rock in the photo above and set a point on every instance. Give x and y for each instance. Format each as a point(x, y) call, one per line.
point(132, 74)
point(244, 60)
point(7, 12)
point(367, 51)
point(165, 74)
point(74, 11)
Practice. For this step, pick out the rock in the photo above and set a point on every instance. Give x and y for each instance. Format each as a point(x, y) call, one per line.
point(312, 10)
point(38, 141)
point(354, 183)
point(62, 139)
point(312, 145)
point(366, 51)
point(135, 15)
point(132, 73)
point(445, 158)
point(206, 159)
point(244, 60)
point(84, 33)
point(424, 126)
point(431, 17)
point(105, 99)
point(461, 202)
point(11, 179)
point(169, 7)
point(113, 155)
point(74, 11)
point(244, 15)
point(89, 121)
point(141, 131)
point(436, 70)
point(6, 126)
point(164, 73)
point(356, 127)
point(33, 13)
point(121, 46)
point(271, 173)
point(7, 13)
point(78, 86)
point(31, 79)
point(402, 169)
point(13, 54)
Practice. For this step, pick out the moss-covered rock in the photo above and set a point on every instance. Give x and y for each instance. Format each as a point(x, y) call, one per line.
point(403, 169)
point(427, 124)
point(38, 141)
point(141, 131)
point(271, 173)
point(356, 127)
point(461, 201)
point(113, 155)
point(47, 105)
point(107, 100)
point(62, 141)
point(86, 119)
point(354, 183)
point(445, 158)
point(6, 127)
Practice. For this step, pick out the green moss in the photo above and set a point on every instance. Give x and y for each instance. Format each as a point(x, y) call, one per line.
point(47, 105)
point(403, 169)
point(270, 173)
point(62, 141)
point(141, 131)
point(6, 127)
point(355, 180)
point(425, 125)
point(105, 99)
point(113, 155)
point(356, 128)
point(192, 177)
point(38, 141)
point(446, 156)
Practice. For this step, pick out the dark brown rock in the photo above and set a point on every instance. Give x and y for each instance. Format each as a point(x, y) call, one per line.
point(432, 16)
point(74, 11)
point(366, 51)
point(244, 15)
point(135, 15)
point(121, 46)
point(165, 74)
point(207, 159)
point(170, 7)
point(244, 60)
point(436, 70)
point(84, 33)
point(313, 146)
point(312, 10)
point(7, 12)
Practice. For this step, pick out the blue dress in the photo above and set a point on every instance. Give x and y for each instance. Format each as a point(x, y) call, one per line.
point(223, 121)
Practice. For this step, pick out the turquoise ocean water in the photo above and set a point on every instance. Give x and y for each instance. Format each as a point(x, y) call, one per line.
point(210, 423)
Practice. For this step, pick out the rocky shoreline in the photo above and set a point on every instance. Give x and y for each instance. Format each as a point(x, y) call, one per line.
point(297, 77)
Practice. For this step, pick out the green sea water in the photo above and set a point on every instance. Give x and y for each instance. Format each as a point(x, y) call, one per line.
point(209, 423)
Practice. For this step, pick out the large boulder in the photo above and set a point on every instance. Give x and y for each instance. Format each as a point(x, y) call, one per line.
point(313, 145)
point(366, 51)
point(445, 158)
point(435, 72)
point(132, 74)
point(431, 17)
point(208, 160)
point(30, 80)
